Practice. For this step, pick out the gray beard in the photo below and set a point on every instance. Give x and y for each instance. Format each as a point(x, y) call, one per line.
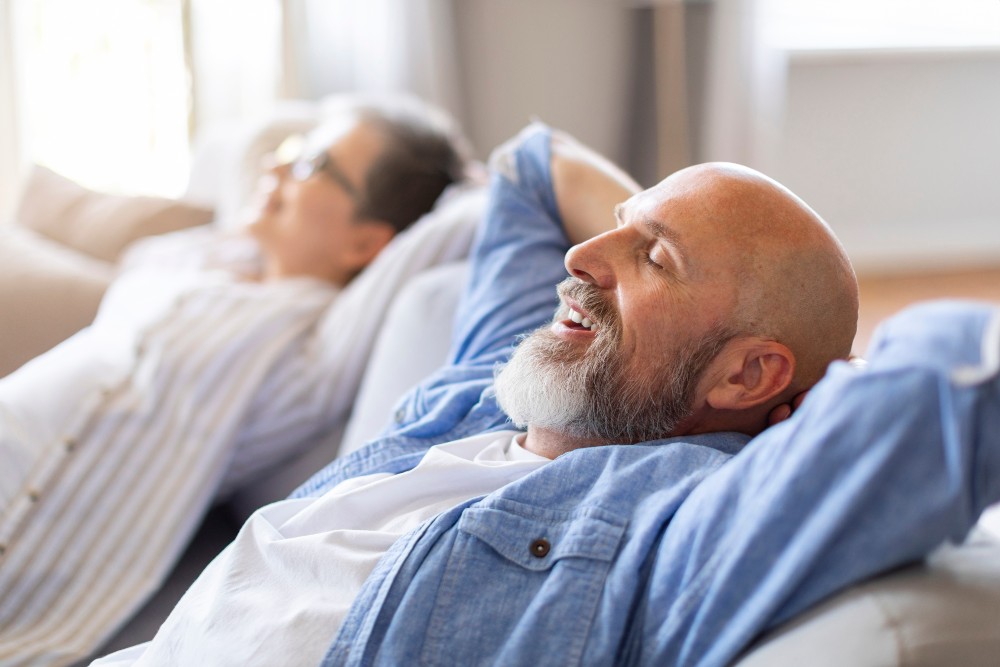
point(548, 384)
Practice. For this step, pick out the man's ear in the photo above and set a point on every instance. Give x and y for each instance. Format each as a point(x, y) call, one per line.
point(749, 372)
point(368, 237)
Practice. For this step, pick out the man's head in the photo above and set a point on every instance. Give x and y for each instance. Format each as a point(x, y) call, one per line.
point(372, 169)
point(719, 296)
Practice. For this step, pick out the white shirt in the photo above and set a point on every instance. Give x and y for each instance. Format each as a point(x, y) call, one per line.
point(307, 559)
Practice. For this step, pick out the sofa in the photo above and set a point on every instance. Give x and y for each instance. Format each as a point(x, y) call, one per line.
point(62, 252)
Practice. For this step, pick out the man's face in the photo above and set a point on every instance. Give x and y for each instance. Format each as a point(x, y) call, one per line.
point(308, 225)
point(647, 308)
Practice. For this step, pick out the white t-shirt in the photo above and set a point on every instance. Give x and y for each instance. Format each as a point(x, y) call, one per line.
point(284, 586)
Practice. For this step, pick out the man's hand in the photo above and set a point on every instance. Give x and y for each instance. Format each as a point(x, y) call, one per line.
point(587, 188)
point(785, 410)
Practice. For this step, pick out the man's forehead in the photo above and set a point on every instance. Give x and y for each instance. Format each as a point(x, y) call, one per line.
point(664, 210)
point(650, 222)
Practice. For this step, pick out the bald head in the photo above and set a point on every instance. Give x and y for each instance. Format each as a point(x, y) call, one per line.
point(794, 282)
point(717, 296)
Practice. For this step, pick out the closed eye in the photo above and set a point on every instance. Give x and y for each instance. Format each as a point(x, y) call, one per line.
point(652, 262)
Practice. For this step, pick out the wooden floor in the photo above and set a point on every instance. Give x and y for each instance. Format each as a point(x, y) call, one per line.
point(882, 296)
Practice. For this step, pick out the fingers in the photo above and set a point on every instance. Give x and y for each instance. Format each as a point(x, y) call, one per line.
point(779, 414)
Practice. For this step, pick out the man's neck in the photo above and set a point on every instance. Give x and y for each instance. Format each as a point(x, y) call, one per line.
point(550, 444)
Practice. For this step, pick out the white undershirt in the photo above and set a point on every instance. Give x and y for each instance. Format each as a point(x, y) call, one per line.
point(284, 586)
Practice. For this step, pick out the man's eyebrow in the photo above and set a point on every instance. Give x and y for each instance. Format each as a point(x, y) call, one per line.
point(661, 231)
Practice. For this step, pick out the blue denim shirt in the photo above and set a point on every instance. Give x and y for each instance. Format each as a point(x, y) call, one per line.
point(681, 551)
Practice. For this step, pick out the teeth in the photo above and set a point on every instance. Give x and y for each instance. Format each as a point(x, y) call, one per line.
point(580, 319)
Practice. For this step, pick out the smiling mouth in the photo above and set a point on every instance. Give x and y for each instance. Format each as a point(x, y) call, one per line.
point(577, 320)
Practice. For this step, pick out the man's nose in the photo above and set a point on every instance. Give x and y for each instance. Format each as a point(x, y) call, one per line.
point(593, 261)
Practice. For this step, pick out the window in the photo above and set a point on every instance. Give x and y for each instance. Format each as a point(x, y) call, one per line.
point(111, 93)
point(103, 91)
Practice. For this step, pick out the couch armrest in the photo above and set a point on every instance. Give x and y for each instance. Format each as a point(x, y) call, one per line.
point(47, 293)
point(945, 611)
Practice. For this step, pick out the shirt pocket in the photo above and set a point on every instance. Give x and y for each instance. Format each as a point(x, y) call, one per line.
point(523, 584)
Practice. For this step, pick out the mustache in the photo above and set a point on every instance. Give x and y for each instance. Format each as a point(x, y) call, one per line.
point(597, 306)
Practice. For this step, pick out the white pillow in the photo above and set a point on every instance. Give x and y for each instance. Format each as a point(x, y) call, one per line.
point(413, 343)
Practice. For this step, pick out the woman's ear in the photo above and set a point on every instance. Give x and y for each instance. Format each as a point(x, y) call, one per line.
point(368, 238)
point(748, 373)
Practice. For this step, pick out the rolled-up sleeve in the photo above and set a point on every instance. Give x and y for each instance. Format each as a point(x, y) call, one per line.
point(517, 256)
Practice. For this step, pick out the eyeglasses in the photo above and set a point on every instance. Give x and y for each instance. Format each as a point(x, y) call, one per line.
point(304, 168)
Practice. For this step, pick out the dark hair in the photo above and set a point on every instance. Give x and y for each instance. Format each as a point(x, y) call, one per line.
point(424, 153)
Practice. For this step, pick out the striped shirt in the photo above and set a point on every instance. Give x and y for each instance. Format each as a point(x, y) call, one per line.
point(100, 500)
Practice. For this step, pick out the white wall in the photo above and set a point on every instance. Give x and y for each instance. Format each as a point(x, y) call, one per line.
point(899, 151)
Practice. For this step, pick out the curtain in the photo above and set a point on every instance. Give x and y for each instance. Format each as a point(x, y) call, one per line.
point(234, 52)
point(373, 46)
point(672, 91)
point(10, 157)
point(730, 91)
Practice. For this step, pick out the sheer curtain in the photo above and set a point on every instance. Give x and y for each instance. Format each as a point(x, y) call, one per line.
point(10, 155)
point(234, 51)
point(732, 90)
point(374, 46)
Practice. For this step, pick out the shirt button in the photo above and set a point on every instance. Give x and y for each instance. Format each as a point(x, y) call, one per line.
point(400, 415)
point(540, 548)
point(33, 495)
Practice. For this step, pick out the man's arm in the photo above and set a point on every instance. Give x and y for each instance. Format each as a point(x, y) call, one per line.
point(548, 191)
point(876, 469)
point(587, 187)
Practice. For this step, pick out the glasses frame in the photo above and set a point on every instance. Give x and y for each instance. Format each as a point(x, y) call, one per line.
point(305, 167)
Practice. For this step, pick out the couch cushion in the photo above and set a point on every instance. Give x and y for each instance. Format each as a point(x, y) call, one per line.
point(98, 224)
point(420, 319)
point(942, 612)
point(47, 293)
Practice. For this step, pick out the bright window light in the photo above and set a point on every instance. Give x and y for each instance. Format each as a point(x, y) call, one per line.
point(103, 92)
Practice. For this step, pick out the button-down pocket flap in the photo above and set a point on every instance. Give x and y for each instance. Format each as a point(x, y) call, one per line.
point(582, 534)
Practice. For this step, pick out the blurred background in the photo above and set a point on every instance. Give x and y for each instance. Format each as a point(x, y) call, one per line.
point(882, 114)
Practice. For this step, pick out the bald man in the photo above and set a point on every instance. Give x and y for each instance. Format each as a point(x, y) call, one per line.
point(634, 520)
